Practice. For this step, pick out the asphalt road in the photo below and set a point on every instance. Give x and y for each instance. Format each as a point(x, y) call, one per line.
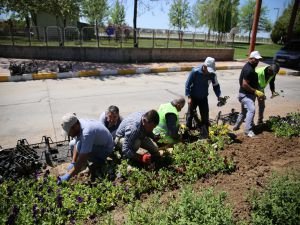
point(33, 109)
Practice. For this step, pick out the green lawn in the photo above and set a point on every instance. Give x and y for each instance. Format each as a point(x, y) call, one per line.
point(241, 49)
point(266, 50)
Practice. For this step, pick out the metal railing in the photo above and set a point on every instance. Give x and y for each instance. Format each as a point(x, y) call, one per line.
point(121, 37)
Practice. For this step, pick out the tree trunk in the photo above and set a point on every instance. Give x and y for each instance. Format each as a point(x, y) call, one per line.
point(135, 41)
point(34, 20)
point(292, 19)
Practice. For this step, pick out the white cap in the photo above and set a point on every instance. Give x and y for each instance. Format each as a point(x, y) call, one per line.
point(210, 63)
point(255, 54)
point(67, 121)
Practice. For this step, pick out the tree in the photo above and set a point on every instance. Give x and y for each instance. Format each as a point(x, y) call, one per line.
point(118, 14)
point(246, 18)
point(95, 10)
point(279, 31)
point(223, 18)
point(23, 9)
point(217, 15)
point(180, 14)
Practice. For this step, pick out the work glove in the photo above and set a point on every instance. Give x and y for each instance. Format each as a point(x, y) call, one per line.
point(274, 94)
point(70, 166)
point(65, 177)
point(259, 93)
point(146, 158)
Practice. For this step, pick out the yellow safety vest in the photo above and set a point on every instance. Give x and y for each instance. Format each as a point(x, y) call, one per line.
point(162, 128)
point(262, 78)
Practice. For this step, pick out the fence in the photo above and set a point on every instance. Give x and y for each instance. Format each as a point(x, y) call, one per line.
point(121, 37)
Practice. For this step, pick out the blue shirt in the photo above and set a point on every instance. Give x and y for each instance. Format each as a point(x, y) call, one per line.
point(94, 136)
point(197, 83)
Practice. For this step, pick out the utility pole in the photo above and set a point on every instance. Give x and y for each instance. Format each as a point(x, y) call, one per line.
point(277, 12)
point(254, 26)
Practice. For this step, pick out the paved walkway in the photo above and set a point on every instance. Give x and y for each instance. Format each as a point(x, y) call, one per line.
point(49, 69)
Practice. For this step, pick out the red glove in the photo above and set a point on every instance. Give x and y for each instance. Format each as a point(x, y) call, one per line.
point(146, 158)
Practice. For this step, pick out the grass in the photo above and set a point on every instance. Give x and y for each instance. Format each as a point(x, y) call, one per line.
point(241, 48)
point(266, 50)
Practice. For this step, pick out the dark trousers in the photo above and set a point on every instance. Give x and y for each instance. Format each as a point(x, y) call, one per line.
point(202, 103)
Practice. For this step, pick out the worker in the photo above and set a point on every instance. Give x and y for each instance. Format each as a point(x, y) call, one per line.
point(266, 75)
point(92, 144)
point(196, 89)
point(135, 131)
point(248, 91)
point(168, 126)
point(111, 119)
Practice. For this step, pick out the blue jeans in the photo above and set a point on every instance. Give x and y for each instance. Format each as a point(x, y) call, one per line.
point(247, 111)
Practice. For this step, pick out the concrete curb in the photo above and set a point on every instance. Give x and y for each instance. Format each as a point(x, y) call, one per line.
point(129, 71)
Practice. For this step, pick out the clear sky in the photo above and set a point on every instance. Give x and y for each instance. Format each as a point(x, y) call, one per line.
point(157, 16)
point(154, 13)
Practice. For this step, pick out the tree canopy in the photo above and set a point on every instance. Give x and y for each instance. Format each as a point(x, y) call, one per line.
point(180, 14)
point(247, 16)
point(279, 31)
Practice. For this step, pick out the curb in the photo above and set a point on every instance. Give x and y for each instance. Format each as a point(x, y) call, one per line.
point(130, 71)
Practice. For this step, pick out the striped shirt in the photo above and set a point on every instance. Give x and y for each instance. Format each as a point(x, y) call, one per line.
point(132, 129)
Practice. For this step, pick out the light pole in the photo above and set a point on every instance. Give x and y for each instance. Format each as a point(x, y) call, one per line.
point(277, 12)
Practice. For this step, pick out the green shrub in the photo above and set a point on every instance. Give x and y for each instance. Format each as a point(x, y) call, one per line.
point(191, 208)
point(285, 126)
point(279, 204)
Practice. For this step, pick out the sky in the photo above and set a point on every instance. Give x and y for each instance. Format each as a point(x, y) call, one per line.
point(157, 16)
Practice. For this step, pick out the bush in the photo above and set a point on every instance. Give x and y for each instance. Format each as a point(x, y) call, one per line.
point(191, 208)
point(279, 204)
point(285, 126)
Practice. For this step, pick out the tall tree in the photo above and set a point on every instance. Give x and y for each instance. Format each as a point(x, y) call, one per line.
point(223, 18)
point(95, 10)
point(247, 17)
point(180, 14)
point(279, 31)
point(118, 14)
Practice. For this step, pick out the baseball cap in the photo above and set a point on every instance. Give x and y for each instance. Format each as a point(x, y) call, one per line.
point(210, 63)
point(255, 54)
point(67, 121)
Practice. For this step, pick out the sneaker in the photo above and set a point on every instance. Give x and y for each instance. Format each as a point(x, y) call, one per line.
point(250, 134)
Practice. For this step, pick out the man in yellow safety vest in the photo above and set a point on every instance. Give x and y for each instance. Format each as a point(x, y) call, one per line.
point(266, 75)
point(168, 126)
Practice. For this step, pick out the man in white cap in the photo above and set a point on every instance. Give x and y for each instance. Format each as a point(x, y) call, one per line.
point(92, 143)
point(249, 89)
point(196, 89)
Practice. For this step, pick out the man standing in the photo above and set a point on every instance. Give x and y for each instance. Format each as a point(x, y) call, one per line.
point(168, 126)
point(248, 91)
point(111, 119)
point(92, 143)
point(196, 89)
point(135, 131)
point(266, 75)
